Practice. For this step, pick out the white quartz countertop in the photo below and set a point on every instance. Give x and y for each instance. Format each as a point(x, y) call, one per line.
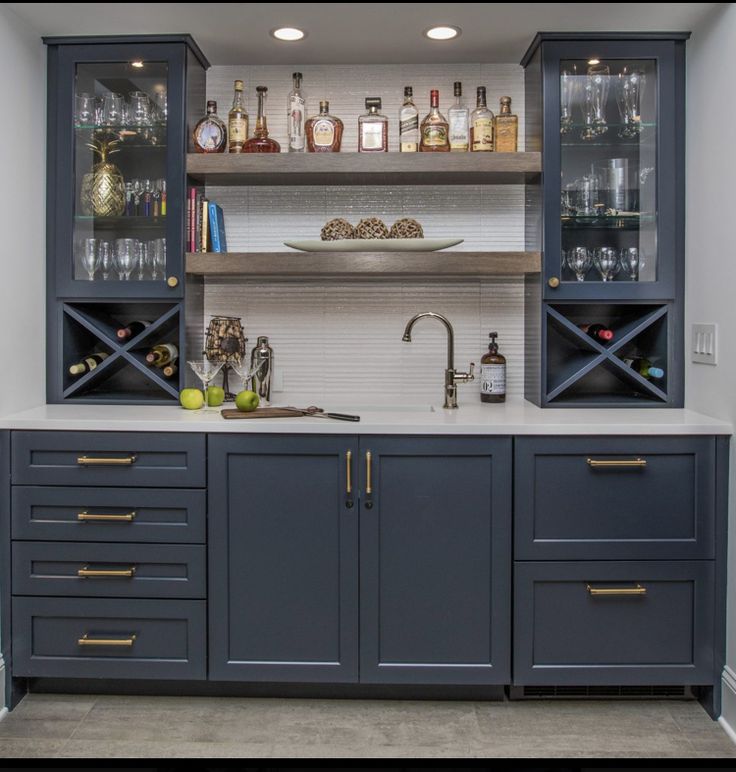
point(516, 416)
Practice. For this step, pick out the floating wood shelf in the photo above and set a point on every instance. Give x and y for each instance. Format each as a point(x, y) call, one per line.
point(366, 265)
point(364, 168)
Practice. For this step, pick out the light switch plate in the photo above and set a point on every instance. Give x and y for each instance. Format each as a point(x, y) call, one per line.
point(704, 349)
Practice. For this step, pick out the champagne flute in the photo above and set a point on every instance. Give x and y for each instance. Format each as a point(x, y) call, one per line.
point(205, 371)
point(157, 257)
point(579, 260)
point(106, 259)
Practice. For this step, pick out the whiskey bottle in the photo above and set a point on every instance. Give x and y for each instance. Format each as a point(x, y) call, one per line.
point(373, 128)
point(506, 128)
point(210, 134)
point(260, 142)
point(493, 373)
point(295, 112)
point(237, 121)
point(481, 125)
point(162, 354)
point(458, 117)
point(88, 363)
point(408, 123)
point(324, 131)
point(434, 130)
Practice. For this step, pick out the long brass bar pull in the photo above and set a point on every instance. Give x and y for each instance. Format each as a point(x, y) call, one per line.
point(87, 517)
point(92, 573)
point(368, 473)
point(85, 640)
point(349, 472)
point(612, 591)
point(90, 461)
point(624, 463)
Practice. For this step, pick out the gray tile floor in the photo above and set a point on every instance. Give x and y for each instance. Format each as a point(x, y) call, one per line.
point(62, 726)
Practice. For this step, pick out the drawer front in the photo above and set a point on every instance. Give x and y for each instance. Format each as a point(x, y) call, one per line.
point(108, 570)
point(585, 498)
point(112, 458)
point(613, 623)
point(109, 514)
point(108, 638)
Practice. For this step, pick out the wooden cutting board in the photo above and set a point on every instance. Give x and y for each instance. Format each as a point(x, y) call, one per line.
point(264, 412)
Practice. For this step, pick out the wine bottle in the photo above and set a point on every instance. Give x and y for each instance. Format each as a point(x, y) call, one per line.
point(598, 332)
point(170, 371)
point(645, 368)
point(88, 363)
point(162, 354)
point(132, 329)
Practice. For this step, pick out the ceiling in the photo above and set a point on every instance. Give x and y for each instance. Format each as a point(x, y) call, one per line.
point(353, 33)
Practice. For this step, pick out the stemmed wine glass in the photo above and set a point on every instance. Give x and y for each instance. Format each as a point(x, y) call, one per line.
point(125, 257)
point(632, 261)
point(579, 260)
point(205, 371)
point(606, 260)
point(90, 257)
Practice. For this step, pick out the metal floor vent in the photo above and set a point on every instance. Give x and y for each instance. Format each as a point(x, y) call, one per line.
point(606, 692)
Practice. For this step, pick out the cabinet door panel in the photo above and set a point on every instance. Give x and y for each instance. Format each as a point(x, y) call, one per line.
point(283, 559)
point(435, 561)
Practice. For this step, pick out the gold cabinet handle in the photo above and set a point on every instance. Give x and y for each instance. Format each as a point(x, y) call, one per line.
point(368, 472)
point(88, 461)
point(85, 640)
point(553, 282)
point(87, 517)
point(636, 463)
point(87, 572)
point(349, 471)
point(638, 590)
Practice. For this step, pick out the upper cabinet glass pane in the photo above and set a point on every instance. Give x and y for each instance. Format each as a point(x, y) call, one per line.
point(120, 129)
point(608, 128)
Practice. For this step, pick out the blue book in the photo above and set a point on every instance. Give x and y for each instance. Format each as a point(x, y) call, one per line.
point(217, 228)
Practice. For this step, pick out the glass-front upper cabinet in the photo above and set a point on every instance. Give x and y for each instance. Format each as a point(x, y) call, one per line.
point(119, 186)
point(612, 125)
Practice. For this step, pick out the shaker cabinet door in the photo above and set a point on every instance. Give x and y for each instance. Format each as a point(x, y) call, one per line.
point(283, 559)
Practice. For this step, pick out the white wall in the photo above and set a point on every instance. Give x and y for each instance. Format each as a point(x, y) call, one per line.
point(23, 208)
point(711, 247)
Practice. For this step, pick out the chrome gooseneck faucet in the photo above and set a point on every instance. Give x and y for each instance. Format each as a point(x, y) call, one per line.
point(452, 378)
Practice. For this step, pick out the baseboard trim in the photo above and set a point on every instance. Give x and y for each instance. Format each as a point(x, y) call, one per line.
point(728, 679)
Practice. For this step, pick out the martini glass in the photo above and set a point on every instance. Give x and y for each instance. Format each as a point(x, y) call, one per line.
point(244, 371)
point(205, 371)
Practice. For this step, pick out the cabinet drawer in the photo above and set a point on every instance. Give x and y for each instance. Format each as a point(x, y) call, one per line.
point(109, 514)
point(582, 498)
point(56, 637)
point(113, 458)
point(108, 570)
point(653, 626)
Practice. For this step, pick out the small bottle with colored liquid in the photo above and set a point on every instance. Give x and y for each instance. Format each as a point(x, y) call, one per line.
point(493, 373)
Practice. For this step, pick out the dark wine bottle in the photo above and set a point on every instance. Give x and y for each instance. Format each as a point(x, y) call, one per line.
point(132, 329)
point(598, 332)
point(170, 371)
point(88, 363)
point(645, 368)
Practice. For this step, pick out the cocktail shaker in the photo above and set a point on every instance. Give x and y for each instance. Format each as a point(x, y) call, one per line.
point(262, 358)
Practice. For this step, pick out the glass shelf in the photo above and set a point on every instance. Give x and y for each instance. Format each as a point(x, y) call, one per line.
point(629, 221)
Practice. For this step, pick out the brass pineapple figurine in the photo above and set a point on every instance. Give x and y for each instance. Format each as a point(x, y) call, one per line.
point(103, 189)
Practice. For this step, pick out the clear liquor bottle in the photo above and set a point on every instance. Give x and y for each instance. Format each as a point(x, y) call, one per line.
point(296, 115)
point(373, 128)
point(210, 134)
point(260, 142)
point(481, 125)
point(458, 117)
point(434, 130)
point(324, 131)
point(408, 123)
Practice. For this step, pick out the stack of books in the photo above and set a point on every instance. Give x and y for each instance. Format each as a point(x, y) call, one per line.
point(205, 223)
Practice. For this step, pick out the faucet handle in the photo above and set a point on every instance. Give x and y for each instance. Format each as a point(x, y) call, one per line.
point(465, 377)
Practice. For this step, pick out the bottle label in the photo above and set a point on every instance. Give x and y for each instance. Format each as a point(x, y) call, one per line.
point(493, 379)
point(458, 132)
point(409, 126)
point(434, 135)
point(506, 135)
point(324, 133)
point(296, 122)
point(372, 136)
point(483, 134)
point(210, 136)
point(238, 130)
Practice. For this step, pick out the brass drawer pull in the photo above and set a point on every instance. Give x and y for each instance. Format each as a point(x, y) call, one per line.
point(636, 463)
point(368, 473)
point(85, 640)
point(349, 472)
point(87, 517)
point(105, 573)
point(89, 461)
point(638, 590)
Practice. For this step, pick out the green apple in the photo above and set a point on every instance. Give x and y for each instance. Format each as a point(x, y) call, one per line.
point(215, 396)
point(191, 399)
point(247, 401)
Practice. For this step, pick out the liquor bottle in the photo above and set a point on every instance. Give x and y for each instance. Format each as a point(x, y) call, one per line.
point(237, 121)
point(296, 113)
point(493, 373)
point(260, 142)
point(324, 131)
point(210, 134)
point(645, 368)
point(458, 117)
point(481, 125)
point(170, 371)
point(373, 128)
point(132, 329)
point(162, 354)
point(162, 186)
point(598, 332)
point(434, 130)
point(408, 123)
point(88, 363)
point(506, 129)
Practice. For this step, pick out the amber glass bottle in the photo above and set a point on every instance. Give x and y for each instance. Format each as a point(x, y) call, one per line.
point(324, 131)
point(493, 374)
point(260, 142)
point(434, 132)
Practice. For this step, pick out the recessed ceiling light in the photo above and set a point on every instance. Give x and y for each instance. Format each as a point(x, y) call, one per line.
point(289, 34)
point(137, 64)
point(594, 61)
point(443, 32)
